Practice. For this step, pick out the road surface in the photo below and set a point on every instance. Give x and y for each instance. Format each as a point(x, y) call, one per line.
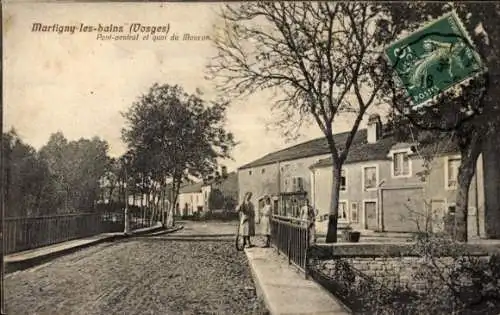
point(141, 275)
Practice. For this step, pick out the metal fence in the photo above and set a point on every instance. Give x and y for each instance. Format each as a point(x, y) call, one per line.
point(26, 233)
point(290, 236)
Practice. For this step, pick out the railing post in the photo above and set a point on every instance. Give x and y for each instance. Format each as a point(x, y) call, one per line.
point(278, 236)
point(306, 256)
point(289, 244)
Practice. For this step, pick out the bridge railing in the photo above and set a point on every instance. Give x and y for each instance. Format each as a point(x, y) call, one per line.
point(24, 233)
point(290, 236)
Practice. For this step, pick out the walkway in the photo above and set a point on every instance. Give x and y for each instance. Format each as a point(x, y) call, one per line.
point(32, 257)
point(285, 289)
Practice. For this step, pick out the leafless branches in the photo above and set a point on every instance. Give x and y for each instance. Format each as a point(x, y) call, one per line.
point(315, 54)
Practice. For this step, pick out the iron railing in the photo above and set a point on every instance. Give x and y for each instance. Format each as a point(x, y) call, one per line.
point(24, 233)
point(290, 236)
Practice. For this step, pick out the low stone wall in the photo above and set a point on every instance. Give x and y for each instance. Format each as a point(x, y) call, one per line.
point(396, 263)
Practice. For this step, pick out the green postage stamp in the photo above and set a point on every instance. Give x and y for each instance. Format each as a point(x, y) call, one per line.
point(434, 59)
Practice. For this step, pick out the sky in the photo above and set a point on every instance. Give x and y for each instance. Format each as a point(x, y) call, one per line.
point(78, 84)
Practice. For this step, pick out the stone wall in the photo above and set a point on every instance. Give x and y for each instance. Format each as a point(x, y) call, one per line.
point(388, 264)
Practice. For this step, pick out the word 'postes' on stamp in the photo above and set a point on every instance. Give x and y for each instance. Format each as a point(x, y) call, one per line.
point(434, 59)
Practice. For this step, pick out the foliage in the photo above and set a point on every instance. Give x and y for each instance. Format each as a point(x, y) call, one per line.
point(174, 136)
point(469, 113)
point(62, 177)
point(212, 216)
point(216, 199)
point(321, 58)
point(443, 277)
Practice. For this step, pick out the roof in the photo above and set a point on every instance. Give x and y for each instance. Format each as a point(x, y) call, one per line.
point(230, 183)
point(380, 150)
point(359, 151)
point(310, 148)
point(191, 188)
point(363, 151)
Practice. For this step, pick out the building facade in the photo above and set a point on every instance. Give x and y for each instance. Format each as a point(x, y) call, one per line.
point(383, 187)
point(194, 198)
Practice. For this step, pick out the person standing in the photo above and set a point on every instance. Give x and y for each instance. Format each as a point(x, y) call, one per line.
point(265, 221)
point(307, 213)
point(247, 219)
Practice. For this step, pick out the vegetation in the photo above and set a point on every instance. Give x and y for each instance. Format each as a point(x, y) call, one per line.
point(172, 138)
point(322, 58)
point(434, 275)
point(63, 176)
point(470, 117)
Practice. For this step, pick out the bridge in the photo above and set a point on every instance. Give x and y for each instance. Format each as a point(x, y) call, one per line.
point(151, 273)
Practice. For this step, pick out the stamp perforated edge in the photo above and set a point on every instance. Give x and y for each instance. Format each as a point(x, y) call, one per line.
point(464, 82)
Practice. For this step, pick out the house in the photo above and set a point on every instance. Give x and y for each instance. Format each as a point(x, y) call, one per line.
point(190, 199)
point(381, 186)
point(195, 197)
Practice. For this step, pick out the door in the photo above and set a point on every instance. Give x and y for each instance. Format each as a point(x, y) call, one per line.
point(371, 215)
point(437, 215)
point(403, 209)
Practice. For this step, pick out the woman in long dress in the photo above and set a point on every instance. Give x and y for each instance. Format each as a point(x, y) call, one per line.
point(247, 219)
point(265, 221)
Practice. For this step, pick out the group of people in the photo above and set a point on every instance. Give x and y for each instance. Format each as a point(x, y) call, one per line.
point(248, 219)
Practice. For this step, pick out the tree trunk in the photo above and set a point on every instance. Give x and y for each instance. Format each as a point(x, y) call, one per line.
point(143, 211)
point(175, 193)
point(111, 190)
point(470, 152)
point(331, 235)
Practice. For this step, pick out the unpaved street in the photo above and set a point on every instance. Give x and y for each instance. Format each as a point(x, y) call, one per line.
point(139, 276)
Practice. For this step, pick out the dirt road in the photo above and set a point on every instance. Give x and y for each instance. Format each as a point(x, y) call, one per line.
point(140, 276)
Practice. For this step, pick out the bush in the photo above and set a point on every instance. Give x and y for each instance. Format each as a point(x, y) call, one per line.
point(211, 216)
point(447, 280)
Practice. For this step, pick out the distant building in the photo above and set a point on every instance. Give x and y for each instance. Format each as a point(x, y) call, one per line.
point(190, 199)
point(381, 186)
point(195, 197)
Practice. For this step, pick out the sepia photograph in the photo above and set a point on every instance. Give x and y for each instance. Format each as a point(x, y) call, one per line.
point(261, 157)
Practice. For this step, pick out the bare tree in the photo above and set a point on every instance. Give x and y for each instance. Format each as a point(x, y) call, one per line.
point(321, 57)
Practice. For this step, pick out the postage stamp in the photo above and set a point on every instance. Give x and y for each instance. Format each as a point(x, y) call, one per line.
point(434, 59)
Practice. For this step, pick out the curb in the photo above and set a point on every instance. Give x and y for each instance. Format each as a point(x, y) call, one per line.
point(34, 261)
point(157, 233)
point(10, 267)
point(273, 308)
point(258, 287)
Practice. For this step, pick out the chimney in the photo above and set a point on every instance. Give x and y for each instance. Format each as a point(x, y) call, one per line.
point(224, 171)
point(374, 130)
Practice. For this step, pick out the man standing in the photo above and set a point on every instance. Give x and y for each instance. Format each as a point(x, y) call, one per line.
point(307, 213)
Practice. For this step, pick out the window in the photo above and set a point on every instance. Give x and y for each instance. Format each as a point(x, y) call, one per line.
point(451, 209)
point(263, 170)
point(249, 172)
point(370, 178)
point(401, 164)
point(342, 210)
point(343, 181)
point(297, 184)
point(452, 173)
point(354, 212)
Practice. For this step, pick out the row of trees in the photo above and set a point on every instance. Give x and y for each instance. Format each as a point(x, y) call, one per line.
point(326, 60)
point(63, 176)
point(173, 138)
